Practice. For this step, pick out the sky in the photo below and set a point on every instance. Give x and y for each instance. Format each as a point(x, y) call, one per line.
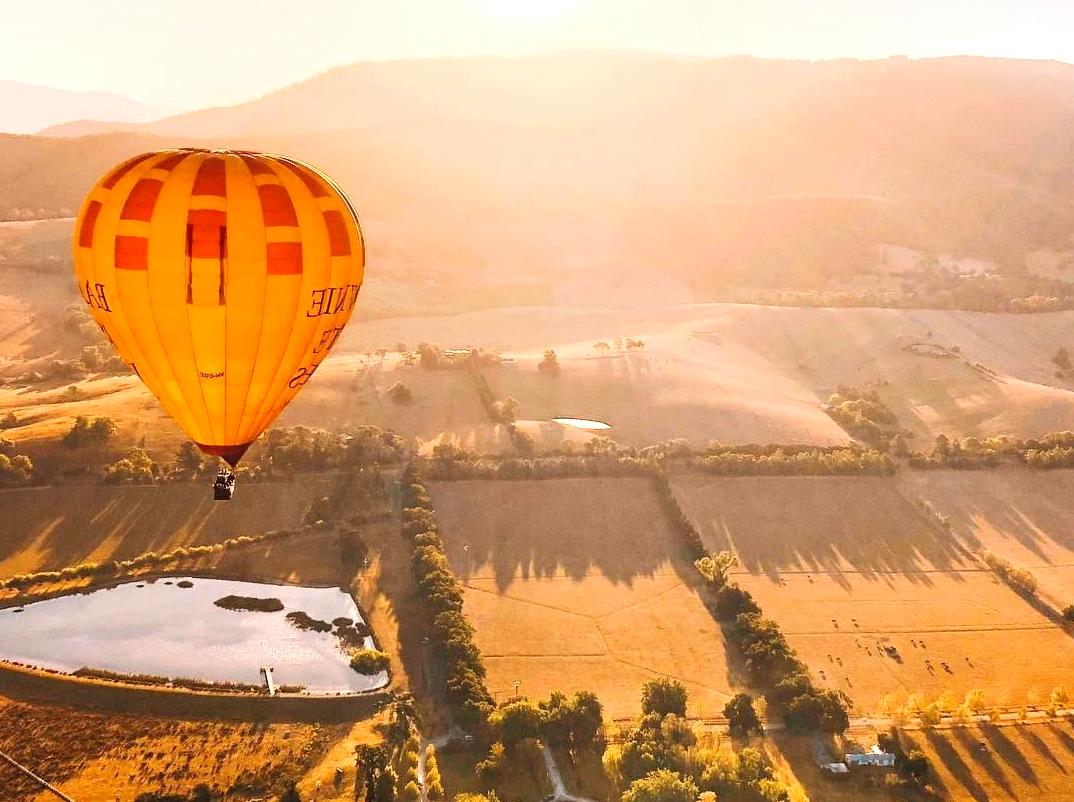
point(185, 54)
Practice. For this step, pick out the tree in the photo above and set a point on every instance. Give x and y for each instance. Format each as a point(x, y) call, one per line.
point(663, 696)
point(602, 347)
point(549, 363)
point(1059, 699)
point(188, 461)
point(715, 568)
point(661, 785)
point(588, 717)
point(84, 432)
point(135, 466)
point(741, 715)
point(975, 700)
point(15, 470)
point(518, 721)
point(371, 763)
point(433, 784)
point(403, 715)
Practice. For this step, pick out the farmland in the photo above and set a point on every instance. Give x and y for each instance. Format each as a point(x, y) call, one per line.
point(95, 757)
point(877, 598)
point(579, 584)
point(47, 528)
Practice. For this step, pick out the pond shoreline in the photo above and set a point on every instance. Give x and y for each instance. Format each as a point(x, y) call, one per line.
point(49, 680)
point(28, 684)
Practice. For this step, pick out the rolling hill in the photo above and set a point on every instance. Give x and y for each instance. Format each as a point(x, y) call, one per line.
point(709, 173)
point(26, 108)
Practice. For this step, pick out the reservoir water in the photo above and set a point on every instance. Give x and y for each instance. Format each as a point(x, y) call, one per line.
point(163, 629)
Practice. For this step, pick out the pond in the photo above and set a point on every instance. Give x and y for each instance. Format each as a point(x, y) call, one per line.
point(582, 423)
point(171, 627)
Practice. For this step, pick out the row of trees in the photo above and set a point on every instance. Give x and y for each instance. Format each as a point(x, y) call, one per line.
point(1022, 292)
point(110, 568)
point(771, 664)
point(451, 635)
point(661, 758)
point(773, 667)
point(1054, 450)
point(815, 462)
point(283, 452)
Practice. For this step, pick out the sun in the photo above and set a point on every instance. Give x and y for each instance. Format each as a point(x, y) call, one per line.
point(529, 10)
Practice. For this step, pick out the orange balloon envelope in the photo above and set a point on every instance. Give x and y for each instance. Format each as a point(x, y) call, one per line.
point(223, 278)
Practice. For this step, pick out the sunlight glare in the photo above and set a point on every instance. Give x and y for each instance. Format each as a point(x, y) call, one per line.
point(529, 10)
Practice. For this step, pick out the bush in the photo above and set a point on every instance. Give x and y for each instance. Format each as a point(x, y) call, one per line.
point(370, 661)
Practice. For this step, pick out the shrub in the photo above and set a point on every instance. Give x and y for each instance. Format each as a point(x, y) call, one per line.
point(370, 661)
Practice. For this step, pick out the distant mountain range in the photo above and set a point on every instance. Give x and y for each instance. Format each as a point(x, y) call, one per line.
point(717, 171)
point(28, 108)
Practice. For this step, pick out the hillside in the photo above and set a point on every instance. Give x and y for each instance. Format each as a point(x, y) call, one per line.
point(26, 108)
point(713, 174)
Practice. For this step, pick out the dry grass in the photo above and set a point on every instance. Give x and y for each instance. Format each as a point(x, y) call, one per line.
point(848, 566)
point(1001, 762)
point(96, 757)
point(1023, 516)
point(47, 528)
point(579, 584)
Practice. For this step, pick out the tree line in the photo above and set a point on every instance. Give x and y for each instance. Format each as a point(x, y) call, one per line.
point(451, 636)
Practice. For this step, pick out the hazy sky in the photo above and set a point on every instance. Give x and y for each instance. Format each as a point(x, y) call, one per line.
point(192, 53)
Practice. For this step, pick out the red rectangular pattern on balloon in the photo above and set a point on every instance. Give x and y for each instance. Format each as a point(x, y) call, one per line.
point(206, 217)
point(338, 240)
point(143, 198)
point(123, 169)
point(211, 179)
point(284, 258)
point(276, 206)
point(171, 162)
point(89, 220)
point(313, 184)
point(132, 253)
point(206, 242)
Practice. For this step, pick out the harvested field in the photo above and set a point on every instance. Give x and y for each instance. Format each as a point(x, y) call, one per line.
point(970, 764)
point(47, 528)
point(1031, 762)
point(579, 584)
point(96, 757)
point(877, 598)
point(1022, 515)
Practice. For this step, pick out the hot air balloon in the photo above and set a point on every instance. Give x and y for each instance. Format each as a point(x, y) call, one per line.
point(223, 278)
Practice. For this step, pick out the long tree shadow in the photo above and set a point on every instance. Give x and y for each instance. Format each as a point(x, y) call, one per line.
point(954, 764)
point(824, 524)
point(52, 527)
point(1031, 514)
point(526, 529)
point(1042, 748)
point(985, 759)
point(1006, 749)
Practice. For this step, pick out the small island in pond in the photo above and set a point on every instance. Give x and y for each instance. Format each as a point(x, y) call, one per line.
point(249, 603)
